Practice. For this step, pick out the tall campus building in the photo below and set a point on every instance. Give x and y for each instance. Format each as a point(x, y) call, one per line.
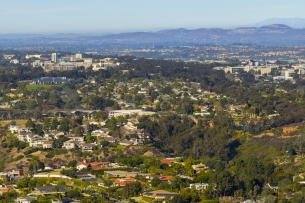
point(55, 57)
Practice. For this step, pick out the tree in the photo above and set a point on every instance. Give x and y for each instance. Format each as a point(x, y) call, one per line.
point(64, 124)
point(30, 123)
point(72, 163)
point(112, 124)
point(78, 131)
point(132, 189)
point(155, 182)
point(61, 139)
point(37, 114)
point(54, 124)
point(46, 124)
point(73, 193)
point(100, 115)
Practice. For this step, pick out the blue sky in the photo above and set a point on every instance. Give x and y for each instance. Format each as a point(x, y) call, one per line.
point(113, 16)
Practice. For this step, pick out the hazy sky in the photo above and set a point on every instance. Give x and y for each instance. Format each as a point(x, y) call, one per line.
point(110, 16)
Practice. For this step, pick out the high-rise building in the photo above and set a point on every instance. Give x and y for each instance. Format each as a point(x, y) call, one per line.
point(55, 57)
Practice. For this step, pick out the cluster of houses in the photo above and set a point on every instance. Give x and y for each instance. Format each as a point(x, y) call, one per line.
point(47, 141)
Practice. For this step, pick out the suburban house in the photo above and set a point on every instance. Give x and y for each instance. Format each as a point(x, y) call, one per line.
point(18, 129)
point(48, 145)
point(5, 188)
point(69, 145)
point(36, 143)
point(99, 165)
point(3, 175)
point(165, 178)
point(87, 147)
point(167, 161)
point(159, 194)
point(25, 199)
point(117, 174)
point(199, 167)
point(77, 139)
point(273, 185)
point(82, 165)
point(57, 134)
point(49, 190)
point(124, 181)
point(199, 186)
point(24, 136)
point(110, 139)
point(127, 142)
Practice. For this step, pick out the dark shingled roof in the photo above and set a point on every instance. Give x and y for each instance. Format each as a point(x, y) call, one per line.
point(52, 189)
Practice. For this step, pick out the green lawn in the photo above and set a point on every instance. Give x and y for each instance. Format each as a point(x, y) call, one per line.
point(147, 199)
point(18, 122)
point(32, 87)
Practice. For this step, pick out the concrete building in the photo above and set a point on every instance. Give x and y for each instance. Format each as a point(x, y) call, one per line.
point(14, 61)
point(33, 56)
point(285, 75)
point(257, 69)
point(59, 66)
point(79, 56)
point(6, 56)
point(55, 57)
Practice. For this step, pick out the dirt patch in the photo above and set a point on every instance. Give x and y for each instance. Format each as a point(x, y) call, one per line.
point(264, 134)
point(142, 151)
point(290, 129)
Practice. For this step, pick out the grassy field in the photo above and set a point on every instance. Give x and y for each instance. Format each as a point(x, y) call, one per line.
point(18, 122)
point(32, 87)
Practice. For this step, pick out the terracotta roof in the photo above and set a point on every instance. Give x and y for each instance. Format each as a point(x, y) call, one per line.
point(97, 167)
point(165, 178)
point(125, 181)
point(168, 162)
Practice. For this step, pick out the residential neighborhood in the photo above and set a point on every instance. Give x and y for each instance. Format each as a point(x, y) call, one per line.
point(94, 132)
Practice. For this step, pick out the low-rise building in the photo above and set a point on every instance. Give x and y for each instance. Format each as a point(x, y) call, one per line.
point(124, 181)
point(82, 165)
point(69, 145)
point(48, 144)
point(159, 194)
point(119, 174)
point(199, 186)
point(199, 167)
point(49, 190)
point(25, 199)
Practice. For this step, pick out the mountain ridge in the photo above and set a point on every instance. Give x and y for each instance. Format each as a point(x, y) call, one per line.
point(274, 34)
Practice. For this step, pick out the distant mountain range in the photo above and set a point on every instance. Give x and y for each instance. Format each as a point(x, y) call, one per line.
point(291, 22)
point(274, 34)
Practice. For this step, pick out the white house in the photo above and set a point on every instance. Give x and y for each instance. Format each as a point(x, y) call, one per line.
point(199, 186)
point(18, 129)
point(82, 165)
point(69, 144)
point(26, 199)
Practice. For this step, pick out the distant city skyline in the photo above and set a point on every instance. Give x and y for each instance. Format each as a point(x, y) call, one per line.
point(115, 16)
